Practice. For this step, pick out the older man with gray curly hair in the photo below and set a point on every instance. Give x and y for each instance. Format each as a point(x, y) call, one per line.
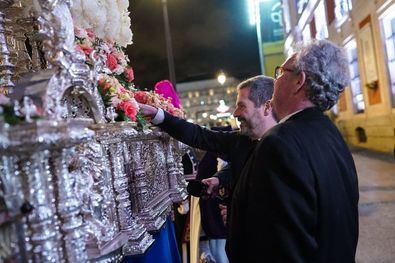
point(297, 199)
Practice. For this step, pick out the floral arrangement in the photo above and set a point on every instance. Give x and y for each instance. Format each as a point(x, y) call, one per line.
point(115, 95)
point(108, 19)
point(116, 62)
point(116, 81)
point(158, 101)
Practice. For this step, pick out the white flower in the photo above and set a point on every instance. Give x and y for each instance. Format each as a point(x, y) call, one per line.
point(118, 70)
point(109, 19)
point(115, 101)
point(105, 47)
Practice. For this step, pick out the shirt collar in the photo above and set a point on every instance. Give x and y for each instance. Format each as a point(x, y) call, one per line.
point(289, 116)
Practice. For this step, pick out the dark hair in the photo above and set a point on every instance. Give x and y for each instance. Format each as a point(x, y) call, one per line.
point(261, 89)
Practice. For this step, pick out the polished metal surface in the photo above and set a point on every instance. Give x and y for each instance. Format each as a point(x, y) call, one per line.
point(6, 67)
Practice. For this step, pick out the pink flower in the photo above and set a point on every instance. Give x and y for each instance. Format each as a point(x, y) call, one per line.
point(90, 33)
point(111, 62)
point(129, 74)
point(80, 33)
point(87, 50)
point(121, 90)
point(129, 109)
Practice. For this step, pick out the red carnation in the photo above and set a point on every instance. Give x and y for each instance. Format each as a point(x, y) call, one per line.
point(129, 109)
point(111, 62)
point(129, 74)
point(141, 97)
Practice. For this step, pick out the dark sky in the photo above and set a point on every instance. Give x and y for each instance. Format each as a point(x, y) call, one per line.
point(207, 36)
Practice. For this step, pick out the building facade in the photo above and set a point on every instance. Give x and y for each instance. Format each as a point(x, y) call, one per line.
point(207, 102)
point(365, 113)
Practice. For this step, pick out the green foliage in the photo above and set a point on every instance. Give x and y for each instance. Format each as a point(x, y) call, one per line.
point(9, 115)
point(141, 121)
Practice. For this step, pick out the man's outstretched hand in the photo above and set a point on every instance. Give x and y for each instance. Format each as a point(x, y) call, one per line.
point(148, 110)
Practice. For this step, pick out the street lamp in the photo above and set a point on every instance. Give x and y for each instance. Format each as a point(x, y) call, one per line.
point(169, 50)
point(221, 78)
point(255, 19)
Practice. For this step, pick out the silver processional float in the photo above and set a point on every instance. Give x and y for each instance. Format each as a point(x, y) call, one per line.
point(75, 185)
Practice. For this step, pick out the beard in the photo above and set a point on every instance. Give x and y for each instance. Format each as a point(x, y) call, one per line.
point(245, 127)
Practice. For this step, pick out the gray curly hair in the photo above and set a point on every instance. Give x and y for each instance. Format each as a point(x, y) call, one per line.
point(261, 89)
point(327, 74)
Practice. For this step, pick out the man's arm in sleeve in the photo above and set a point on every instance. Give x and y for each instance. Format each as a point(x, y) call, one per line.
point(224, 175)
point(197, 136)
point(281, 206)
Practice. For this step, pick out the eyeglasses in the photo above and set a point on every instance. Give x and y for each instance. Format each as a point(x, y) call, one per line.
point(280, 70)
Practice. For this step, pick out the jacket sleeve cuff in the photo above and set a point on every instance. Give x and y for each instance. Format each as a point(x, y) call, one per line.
point(159, 117)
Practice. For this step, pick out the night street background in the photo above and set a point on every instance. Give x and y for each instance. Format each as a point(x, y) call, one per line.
point(207, 36)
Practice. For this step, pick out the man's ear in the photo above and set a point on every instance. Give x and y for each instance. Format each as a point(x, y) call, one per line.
point(300, 81)
point(267, 108)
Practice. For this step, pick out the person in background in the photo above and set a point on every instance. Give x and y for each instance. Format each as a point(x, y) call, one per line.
point(166, 89)
point(297, 198)
point(213, 228)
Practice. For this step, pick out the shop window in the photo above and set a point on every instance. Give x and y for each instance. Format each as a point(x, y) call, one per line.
point(356, 89)
point(306, 33)
point(361, 135)
point(388, 28)
point(300, 5)
point(287, 17)
point(342, 9)
point(320, 22)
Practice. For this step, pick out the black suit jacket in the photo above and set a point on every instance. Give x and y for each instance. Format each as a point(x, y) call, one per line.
point(297, 198)
point(235, 146)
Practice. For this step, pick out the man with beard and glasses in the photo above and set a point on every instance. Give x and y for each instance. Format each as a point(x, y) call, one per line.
point(297, 197)
point(254, 112)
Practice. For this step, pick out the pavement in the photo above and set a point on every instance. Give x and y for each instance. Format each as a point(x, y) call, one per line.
point(376, 173)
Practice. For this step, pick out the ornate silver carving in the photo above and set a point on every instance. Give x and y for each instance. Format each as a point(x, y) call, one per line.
point(96, 191)
point(6, 67)
point(178, 184)
point(33, 36)
point(42, 172)
point(12, 241)
point(93, 180)
point(57, 33)
point(111, 136)
point(18, 26)
point(69, 208)
point(44, 239)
